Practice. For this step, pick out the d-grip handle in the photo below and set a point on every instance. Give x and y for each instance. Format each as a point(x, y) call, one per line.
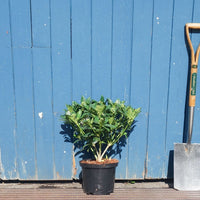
point(193, 25)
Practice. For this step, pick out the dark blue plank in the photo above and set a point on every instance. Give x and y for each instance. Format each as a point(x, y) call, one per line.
point(179, 65)
point(101, 48)
point(21, 26)
point(121, 64)
point(5, 24)
point(40, 23)
point(61, 68)
point(8, 162)
point(140, 85)
point(81, 51)
point(25, 134)
point(162, 24)
point(43, 113)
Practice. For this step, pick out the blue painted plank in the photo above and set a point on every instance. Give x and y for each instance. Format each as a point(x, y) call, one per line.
point(8, 164)
point(101, 48)
point(81, 48)
point(21, 37)
point(25, 135)
point(61, 68)
point(121, 64)
point(140, 78)
point(81, 52)
point(162, 23)
point(5, 24)
point(179, 65)
point(122, 33)
point(43, 113)
point(8, 154)
point(40, 23)
point(21, 27)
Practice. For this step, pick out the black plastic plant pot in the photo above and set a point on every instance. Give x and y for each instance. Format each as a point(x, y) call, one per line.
point(98, 179)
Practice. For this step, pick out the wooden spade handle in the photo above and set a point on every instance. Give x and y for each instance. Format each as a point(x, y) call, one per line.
point(194, 63)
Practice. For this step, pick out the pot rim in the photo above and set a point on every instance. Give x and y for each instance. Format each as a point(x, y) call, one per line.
point(87, 164)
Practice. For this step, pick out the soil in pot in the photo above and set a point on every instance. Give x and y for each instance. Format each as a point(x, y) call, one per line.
point(98, 177)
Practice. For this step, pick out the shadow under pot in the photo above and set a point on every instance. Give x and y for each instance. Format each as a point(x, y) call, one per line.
point(98, 178)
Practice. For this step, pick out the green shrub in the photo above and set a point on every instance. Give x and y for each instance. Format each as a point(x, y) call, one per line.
point(99, 124)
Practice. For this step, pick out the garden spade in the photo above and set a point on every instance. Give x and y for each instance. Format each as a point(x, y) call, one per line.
point(187, 155)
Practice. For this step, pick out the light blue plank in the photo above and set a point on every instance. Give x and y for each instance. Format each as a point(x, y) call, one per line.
point(21, 27)
point(81, 51)
point(61, 65)
point(140, 85)
point(162, 23)
point(25, 135)
point(179, 65)
point(101, 48)
point(121, 64)
point(4, 24)
point(43, 113)
point(8, 165)
point(40, 23)
point(195, 42)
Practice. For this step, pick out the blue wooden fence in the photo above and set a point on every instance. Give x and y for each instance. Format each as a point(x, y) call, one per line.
point(55, 51)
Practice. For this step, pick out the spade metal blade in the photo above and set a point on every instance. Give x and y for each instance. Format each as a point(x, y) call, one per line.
point(186, 166)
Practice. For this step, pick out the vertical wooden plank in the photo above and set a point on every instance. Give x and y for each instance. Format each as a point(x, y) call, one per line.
point(4, 21)
point(121, 64)
point(8, 157)
point(42, 70)
point(101, 48)
point(179, 65)
point(61, 65)
point(162, 20)
point(43, 113)
point(25, 138)
point(40, 23)
point(81, 51)
point(8, 163)
point(21, 27)
point(122, 23)
point(25, 135)
point(140, 78)
point(81, 48)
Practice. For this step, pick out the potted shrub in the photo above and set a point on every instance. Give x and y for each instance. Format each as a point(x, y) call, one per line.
point(98, 125)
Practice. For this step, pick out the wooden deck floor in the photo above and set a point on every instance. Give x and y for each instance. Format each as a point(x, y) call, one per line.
point(41, 192)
